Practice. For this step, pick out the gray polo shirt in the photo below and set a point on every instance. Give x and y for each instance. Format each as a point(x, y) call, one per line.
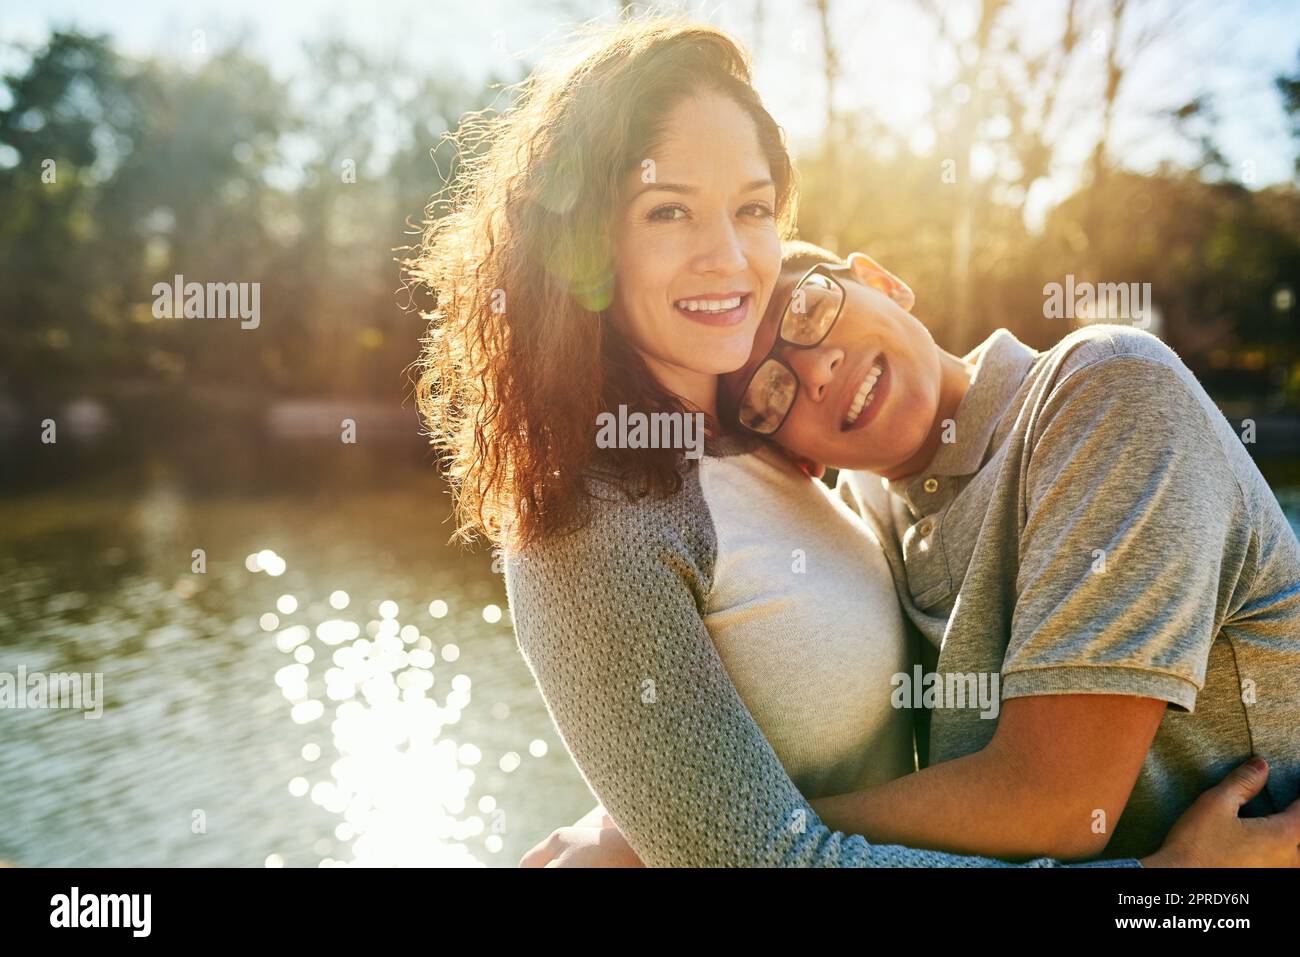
point(1096, 526)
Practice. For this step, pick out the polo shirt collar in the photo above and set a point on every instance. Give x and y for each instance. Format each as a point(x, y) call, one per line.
point(1001, 363)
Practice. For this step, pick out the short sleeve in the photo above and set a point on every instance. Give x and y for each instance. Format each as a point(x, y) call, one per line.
point(1129, 552)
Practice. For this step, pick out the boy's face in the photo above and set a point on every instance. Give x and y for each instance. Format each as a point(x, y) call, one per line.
point(873, 332)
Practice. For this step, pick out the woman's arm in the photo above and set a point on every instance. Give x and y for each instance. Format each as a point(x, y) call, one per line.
point(609, 621)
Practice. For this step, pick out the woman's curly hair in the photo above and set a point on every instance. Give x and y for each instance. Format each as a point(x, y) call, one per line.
point(519, 359)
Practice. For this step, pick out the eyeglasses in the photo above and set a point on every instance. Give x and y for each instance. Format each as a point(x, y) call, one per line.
point(814, 306)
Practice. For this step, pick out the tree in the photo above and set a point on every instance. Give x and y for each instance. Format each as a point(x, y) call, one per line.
point(1289, 87)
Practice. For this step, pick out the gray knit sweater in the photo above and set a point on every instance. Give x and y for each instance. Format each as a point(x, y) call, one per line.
point(611, 620)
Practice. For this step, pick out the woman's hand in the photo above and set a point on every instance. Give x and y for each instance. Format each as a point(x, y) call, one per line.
point(583, 846)
point(1210, 834)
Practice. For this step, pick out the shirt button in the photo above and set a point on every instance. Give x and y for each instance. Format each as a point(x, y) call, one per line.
point(931, 485)
point(925, 528)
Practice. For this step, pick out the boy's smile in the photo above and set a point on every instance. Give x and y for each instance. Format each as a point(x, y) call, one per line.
point(868, 396)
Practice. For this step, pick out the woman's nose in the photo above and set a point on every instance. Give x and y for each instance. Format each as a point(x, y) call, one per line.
point(816, 368)
point(721, 250)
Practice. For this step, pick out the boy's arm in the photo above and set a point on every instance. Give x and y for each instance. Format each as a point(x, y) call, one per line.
point(1055, 761)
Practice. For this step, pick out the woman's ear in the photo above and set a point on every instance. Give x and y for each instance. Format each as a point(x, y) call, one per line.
point(878, 277)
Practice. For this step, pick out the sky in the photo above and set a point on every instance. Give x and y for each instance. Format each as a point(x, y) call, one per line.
point(1230, 50)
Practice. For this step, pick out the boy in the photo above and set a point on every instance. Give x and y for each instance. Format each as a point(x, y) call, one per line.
point(1080, 525)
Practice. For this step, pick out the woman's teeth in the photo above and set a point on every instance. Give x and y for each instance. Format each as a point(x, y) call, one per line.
point(864, 396)
point(709, 305)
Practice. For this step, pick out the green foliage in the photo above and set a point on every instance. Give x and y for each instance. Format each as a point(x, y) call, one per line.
point(222, 172)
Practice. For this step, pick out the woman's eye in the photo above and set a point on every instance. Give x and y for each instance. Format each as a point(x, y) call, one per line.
point(761, 210)
point(667, 213)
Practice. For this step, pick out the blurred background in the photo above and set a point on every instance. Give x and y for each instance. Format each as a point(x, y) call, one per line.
point(298, 670)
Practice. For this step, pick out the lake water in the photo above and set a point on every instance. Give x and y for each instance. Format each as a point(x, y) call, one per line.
point(352, 696)
point(221, 742)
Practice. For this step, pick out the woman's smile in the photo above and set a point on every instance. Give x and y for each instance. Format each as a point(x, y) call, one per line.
point(716, 309)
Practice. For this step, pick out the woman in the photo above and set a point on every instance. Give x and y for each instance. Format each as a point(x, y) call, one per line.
point(613, 242)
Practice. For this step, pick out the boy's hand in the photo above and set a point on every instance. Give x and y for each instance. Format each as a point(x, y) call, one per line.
point(1210, 834)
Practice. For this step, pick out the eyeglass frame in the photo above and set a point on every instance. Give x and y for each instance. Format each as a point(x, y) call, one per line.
point(828, 270)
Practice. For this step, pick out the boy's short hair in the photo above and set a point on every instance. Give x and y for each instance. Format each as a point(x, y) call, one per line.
point(799, 256)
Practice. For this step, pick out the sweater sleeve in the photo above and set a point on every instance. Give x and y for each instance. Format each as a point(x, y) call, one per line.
point(610, 622)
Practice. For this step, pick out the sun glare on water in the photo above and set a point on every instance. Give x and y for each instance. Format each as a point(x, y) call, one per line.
point(399, 780)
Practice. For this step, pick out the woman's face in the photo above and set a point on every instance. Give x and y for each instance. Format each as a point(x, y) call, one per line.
point(697, 251)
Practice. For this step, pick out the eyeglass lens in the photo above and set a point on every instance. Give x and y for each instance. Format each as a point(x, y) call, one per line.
point(813, 306)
